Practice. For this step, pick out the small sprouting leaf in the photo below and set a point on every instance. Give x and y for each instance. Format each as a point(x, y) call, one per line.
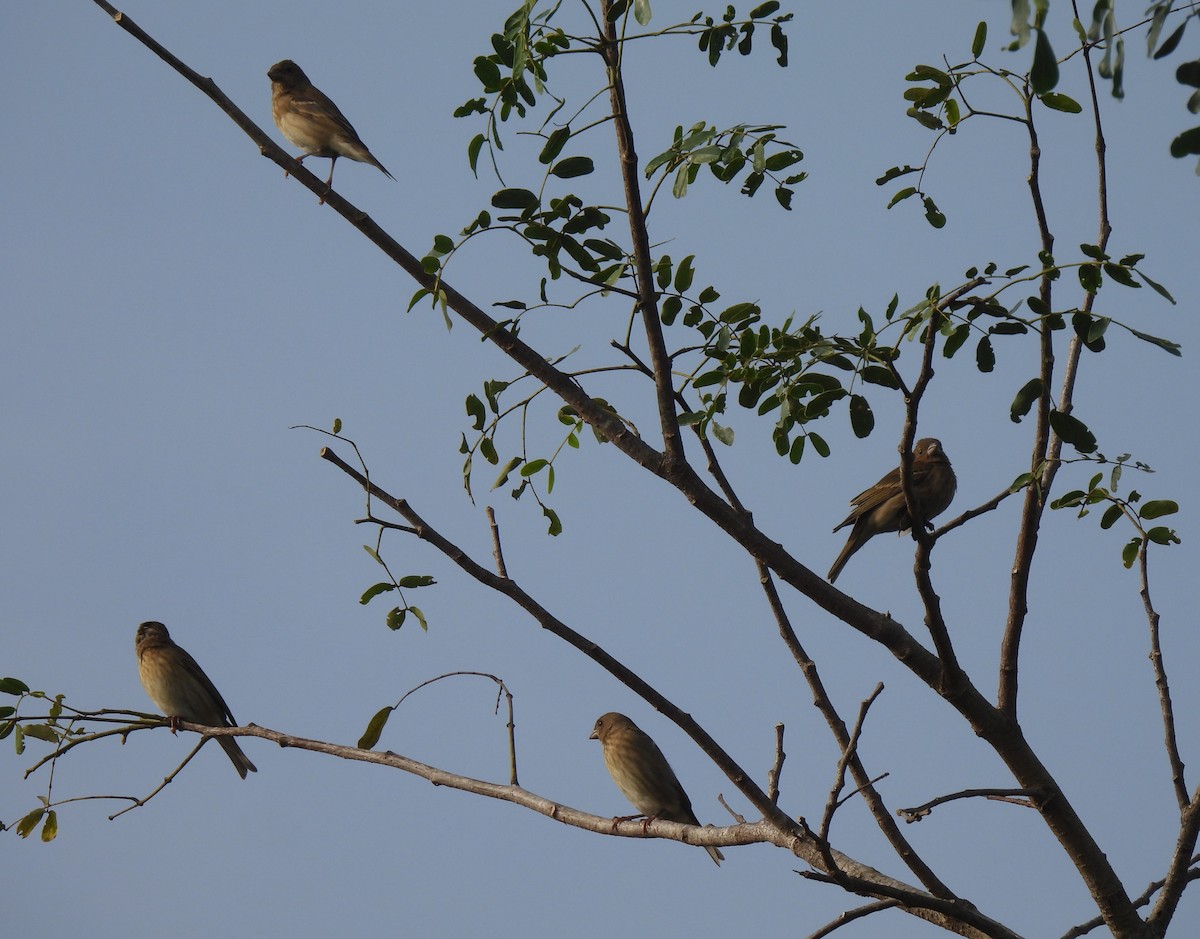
point(374, 729)
point(372, 592)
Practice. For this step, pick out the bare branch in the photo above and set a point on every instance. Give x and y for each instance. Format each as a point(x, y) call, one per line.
point(850, 916)
point(1160, 680)
point(1022, 797)
point(777, 767)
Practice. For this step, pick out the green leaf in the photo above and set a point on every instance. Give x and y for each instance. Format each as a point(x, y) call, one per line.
point(1122, 275)
point(374, 729)
point(555, 527)
point(1110, 517)
point(819, 444)
point(1158, 288)
point(533, 466)
point(762, 11)
point(933, 215)
point(979, 41)
point(1029, 393)
point(412, 581)
point(985, 355)
point(554, 145)
point(1166, 344)
point(43, 732)
point(514, 199)
point(722, 433)
point(473, 149)
point(1061, 102)
point(902, 195)
point(372, 592)
point(684, 274)
point(862, 418)
point(572, 167)
point(1157, 508)
point(395, 618)
point(13, 686)
point(504, 473)
point(1073, 431)
point(1089, 277)
point(641, 11)
point(1044, 75)
point(1161, 535)
point(27, 824)
point(50, 828)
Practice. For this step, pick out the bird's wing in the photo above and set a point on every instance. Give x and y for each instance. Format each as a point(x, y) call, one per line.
point(316, 105)
point(197, 673)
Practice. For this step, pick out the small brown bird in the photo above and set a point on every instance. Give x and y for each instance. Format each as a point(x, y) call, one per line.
point(312, 122)
point(882, 507)
point(181, 690)
point(643, 774)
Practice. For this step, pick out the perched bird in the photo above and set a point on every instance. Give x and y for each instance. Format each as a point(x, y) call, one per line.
point(181, 689)
point(643, 774)
point(882, 507)
point(311, 121)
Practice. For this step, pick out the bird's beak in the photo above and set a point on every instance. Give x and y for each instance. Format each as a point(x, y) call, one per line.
point(593, 736)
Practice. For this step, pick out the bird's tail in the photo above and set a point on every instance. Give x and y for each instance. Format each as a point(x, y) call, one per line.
point(240, 761)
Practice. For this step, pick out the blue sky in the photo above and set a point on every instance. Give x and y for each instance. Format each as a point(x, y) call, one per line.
point(174, 306)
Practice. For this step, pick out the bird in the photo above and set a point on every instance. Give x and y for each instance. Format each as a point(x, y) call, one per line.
point(643, 774)
point(181, 690)
point(312, 122)
point(882, 507)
